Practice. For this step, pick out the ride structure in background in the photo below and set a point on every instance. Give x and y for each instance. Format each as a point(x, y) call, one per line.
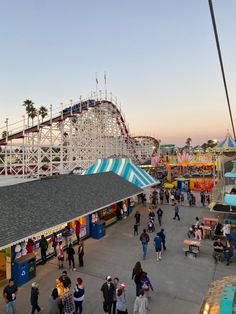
point(146, 147)
point(73, 137)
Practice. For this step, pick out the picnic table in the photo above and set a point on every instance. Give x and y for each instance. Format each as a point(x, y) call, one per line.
point(193, 247)
point(210, 221)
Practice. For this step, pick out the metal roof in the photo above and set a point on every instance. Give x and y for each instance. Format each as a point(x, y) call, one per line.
point(33, 207)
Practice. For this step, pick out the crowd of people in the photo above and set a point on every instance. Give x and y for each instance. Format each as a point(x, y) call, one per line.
point(67, 298)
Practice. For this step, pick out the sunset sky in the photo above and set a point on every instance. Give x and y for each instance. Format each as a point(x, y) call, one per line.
point(159, 55)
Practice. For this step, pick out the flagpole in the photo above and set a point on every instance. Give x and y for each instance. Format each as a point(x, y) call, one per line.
point(105, 82)
point(96, 86)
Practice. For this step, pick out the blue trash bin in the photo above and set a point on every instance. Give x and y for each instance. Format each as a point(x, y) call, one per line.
point(20, 270)
point(98, 230)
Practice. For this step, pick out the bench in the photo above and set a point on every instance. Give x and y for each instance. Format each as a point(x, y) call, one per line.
point(227, 300)
point(193, 251)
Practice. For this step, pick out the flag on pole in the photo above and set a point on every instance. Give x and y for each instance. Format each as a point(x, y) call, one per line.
point(96, 80)
point(105, 78)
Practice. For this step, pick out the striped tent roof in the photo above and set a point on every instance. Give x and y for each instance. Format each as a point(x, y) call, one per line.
point(227, 144)
point(125, 168)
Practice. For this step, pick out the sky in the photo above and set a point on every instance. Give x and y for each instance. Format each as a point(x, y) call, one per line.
point(159, 56)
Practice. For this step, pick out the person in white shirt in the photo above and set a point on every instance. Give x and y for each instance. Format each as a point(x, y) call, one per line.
point(226, 230)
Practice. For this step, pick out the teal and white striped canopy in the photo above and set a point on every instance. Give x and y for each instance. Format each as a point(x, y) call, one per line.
point(125, 168)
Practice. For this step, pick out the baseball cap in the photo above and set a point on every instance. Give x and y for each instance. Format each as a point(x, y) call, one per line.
point(108, 278)
point(122, 285)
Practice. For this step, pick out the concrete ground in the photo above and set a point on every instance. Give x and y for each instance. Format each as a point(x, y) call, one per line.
point(180, 283)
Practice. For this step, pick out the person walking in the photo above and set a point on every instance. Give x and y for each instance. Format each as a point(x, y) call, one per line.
point(167, 195)
point(9, 294)
point(65, 280)
point(189, 198)
point(43, 244)
point(135, 229)
point(159, 215)
point(136, 276)
point(60, 255)
point(228, 251)
point(81, 253)
point(163, 238)
point(34, 298)
point(137, 217)
point(158, 246)
point(54, 302)
point(70, 256)
point(121, 305)
point(79, 296)
point(176, 211)
point(116, 283)
point(141, 303)
point(146, 285)
point(144, 238)
point(108, 290)
point(67, 301)
point(203, 198)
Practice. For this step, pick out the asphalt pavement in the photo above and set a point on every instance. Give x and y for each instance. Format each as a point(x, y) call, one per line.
point(180, 283)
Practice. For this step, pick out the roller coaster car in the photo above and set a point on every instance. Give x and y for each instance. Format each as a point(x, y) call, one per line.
point(84, 105)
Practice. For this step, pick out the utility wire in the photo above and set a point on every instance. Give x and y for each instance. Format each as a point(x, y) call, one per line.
point(221, 64)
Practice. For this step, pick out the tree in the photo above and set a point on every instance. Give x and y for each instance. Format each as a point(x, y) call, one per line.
point(28, 104)
point(211, 143)
point(43, 112)
point(4, 134)
point(33, 113)
point(188, 141)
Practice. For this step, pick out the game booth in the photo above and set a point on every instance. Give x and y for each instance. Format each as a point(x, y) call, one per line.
point(194, 172)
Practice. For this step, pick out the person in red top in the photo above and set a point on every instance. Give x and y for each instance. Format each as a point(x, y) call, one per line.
point(77, 230)
point(30, 246)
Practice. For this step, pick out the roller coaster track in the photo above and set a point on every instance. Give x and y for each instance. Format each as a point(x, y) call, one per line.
point(72, 136)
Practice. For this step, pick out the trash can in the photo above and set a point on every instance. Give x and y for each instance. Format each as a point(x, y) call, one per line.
point(98, 230)
point(21, 269)
point(32, 268)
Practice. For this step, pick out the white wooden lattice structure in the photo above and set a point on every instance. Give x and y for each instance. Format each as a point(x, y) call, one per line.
point(73, 136)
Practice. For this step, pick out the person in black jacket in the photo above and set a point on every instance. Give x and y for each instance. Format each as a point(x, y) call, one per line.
point(70, 256)
point(159, 215)
point(108, 291)
point(81, 253)
point(34, 298)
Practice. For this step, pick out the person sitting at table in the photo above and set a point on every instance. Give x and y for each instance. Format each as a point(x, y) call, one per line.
point(198, 233)
point(218, 252)
point(228, 251)
point(197, 221)
point(201, 228)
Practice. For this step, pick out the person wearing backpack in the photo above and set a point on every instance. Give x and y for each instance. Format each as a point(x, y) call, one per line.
point(144, 238)
point(79, 295)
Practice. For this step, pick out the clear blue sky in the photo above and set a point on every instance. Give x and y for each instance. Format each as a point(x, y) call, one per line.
point(159, 55)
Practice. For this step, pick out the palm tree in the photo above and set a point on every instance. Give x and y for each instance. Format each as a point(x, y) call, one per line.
point(43, 112)
point(33, 113)
point(4, 134)
point(28, 104)
point(188, 143)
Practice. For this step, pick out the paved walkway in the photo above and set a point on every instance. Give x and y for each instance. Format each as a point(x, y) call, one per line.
point(180, 282)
